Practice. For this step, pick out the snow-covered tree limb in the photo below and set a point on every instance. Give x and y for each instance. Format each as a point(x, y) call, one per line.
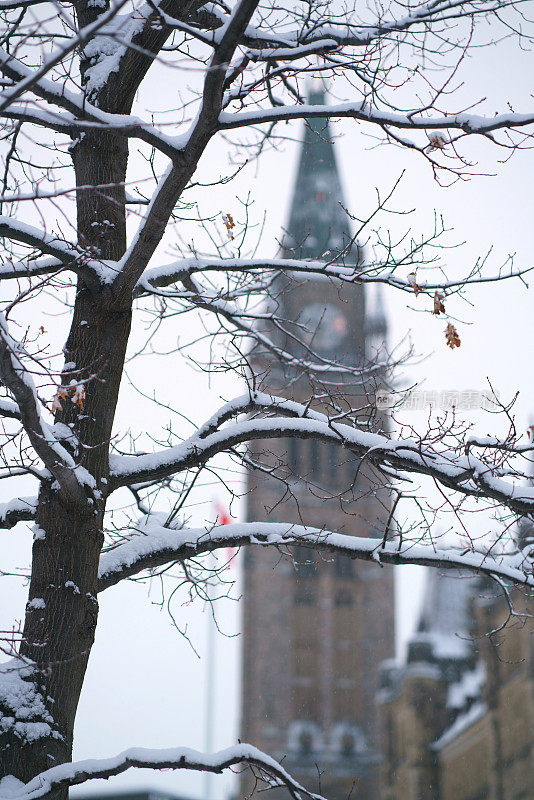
point(465, 474)
point(83, 115)
point(67, 254)
point(464, 122)
point(153, 544)
point(291, 44)
point(78, 772)
point(20, 509)
point(168, 274)
point(176, 178)
point(14, 92)
point(9, 409)
point(30, 268)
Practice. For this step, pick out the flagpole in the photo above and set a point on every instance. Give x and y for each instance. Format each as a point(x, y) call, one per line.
point(210, 686)
point(222, 517)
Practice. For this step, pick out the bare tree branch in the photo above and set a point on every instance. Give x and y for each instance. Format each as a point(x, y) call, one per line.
point(18, 381)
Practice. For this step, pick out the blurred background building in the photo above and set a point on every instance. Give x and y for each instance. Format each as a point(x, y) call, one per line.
point(458, 714)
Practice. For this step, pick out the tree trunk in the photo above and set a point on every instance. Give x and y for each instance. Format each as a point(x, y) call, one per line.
point(59, 627)
point(62, 611)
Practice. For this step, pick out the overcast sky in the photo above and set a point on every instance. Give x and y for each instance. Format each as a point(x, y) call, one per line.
point(145, 685)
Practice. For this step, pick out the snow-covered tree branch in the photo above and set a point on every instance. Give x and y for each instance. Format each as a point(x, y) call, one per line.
point(268, 771)
point(152, 544)
point(466, 474)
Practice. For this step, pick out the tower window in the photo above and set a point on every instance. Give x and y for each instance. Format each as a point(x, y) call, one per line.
point(304, 737)
point(293, 454)
point(347, 745)
point(304, 594)
point(333, 460)
point(343, 566)
point(346, 739)
point(315, 459)
point(343, 598)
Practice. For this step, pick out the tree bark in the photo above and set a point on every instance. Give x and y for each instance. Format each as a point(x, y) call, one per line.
point(58, 636)
point(59, 629)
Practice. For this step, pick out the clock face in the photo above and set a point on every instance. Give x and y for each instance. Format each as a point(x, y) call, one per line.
point(324, 326)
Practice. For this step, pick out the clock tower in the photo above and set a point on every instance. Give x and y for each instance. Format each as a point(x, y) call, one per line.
point(317, 627)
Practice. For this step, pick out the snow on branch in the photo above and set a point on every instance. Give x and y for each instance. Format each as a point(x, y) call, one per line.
point(20, 509)
point(30, 268)
point(193, 143)
point(466, 122)
point(292, 44)
point(160, 277)
point(82, 115)
point(64, 252)
point(8, 409)
point(23, 708)
point(14, 92)
point(462, 472)
point(152, 544)
point(165, 275)
point(266, 768)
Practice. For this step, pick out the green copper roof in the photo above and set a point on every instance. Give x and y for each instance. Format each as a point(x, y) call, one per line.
point(319, 228)
point(317, 222)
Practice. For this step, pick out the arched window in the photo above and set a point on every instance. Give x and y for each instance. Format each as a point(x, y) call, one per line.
point(304, 737)
point(347, 740)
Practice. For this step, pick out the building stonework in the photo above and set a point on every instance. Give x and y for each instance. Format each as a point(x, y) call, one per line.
point(316, 627)
point(458, 715)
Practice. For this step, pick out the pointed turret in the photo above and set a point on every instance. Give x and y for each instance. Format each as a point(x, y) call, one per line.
point(329, 316)
point(318, 224)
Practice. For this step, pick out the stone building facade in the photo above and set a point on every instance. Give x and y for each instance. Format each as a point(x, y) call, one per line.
point(316, 628)
point(458, 715)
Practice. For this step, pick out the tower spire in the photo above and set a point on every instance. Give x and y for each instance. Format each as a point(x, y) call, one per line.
point(317, 222)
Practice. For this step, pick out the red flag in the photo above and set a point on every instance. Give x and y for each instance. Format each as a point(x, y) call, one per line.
point(223, 515)
point(224, 518)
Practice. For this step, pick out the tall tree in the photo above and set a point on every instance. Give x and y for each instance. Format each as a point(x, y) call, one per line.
point(76, 102)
